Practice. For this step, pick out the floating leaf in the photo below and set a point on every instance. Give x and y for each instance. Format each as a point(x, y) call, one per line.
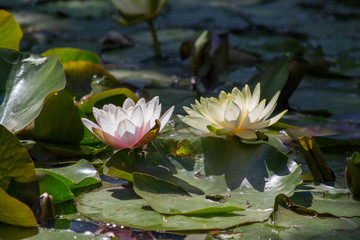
point(77, 177)
point(73, 54)
point(80, 74)
point(168, 198)
point(123, 207)
point(10, 31)
point(25, 82)
point(14, 212)
point(115, 96)
point(326, 199)
point(59, 120)
point(248, 177)
point(54, 186)
point(15, 162)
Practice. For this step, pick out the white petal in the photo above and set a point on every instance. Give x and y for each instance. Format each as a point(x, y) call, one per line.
point(141, 102)
point(270, 107)
point(89, 124)
point(255, 98)
point(97, 113)
point(254, 115)
point(247, 94)
point(196, 122)
point(120, 115)
point(216, 111)
point(125, 126)
point(259, 125)
point(107, 125)
point(232, 111)
point(277, 117)
point(238, 98)
point(151, 117)
point(268, 122)
point(137, 117)
point(109, 107)
point(165, 117)
point(128, 103)
point(192, 112)
point(150, 106)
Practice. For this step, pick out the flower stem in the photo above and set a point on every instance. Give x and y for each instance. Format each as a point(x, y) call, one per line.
point(155, 38)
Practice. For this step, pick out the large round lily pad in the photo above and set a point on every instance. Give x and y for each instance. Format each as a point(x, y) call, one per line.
point(219, 178)
point(25, 81)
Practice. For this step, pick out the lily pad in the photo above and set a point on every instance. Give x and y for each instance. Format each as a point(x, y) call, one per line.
point(10, 31)
point(54, 186)
point(327, 199)
point(122, 206)
point(77, 177)
point(115, 96)
point(249, 176)
point(168, 198)
point(80, 74)
point(15, 162)
point(306, 225)
point(53, 126)
point(12, 211)
point(25, 82)
point(73, 54)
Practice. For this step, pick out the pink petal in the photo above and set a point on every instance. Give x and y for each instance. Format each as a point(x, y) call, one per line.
point(113, 141)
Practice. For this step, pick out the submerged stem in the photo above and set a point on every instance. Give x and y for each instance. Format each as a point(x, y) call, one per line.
point(155, 38)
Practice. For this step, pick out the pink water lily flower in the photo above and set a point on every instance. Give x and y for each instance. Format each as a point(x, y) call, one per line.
point(131, 125)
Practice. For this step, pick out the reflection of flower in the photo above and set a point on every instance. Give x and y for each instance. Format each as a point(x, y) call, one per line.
point(130, 126)
point(136, 11)
point(238, 113)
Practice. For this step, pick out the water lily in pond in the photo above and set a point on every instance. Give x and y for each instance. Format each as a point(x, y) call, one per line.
point(237, 113)
point(136, 11)
point(131, 125)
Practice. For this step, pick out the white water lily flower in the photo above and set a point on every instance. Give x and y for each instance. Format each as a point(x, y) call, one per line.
point(135, 11)
point(130, 126)
point(237, 113)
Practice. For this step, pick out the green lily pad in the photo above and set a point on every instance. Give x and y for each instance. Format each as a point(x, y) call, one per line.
point(10, 31)
point(305, 224)
point(252, 174)
point(59, 120)
point(78, 9)
point(25, 82)
point(77, 177)
point(115, 96)
point(143, 77)
point(122, 206)
point(50, 233)
point(14, 212)
point(15, 162)
point(288, 224)
point(16, 232)
point(54, 186)
point(73, 54)
point(217, 173)
point(80, 74)
point(326, 199)
point(168, 198)
point(335, 100)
